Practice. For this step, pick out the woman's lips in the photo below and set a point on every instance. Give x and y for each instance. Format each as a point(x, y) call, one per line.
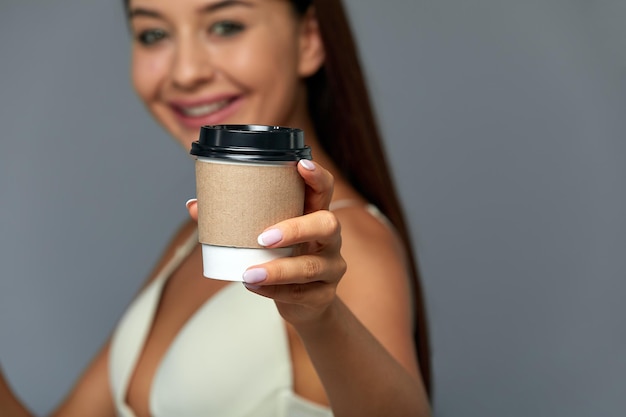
point(208, 112)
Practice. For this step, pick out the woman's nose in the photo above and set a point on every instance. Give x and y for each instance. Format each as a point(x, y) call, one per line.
point(192, 65)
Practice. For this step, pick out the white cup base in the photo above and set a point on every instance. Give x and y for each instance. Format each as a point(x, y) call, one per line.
point(229, 264)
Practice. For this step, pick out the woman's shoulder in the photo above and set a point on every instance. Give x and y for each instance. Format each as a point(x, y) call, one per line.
point(363, 220)
point(370, 245)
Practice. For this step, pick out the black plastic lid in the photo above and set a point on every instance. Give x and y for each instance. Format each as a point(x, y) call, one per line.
point(251, 143)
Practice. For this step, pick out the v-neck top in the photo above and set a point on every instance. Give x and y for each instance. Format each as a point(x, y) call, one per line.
point(231, 358)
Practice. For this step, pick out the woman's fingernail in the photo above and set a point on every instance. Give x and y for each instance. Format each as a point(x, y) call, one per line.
point(190, 202)
point(254, 275)
point(306, 164)
point(270, 237)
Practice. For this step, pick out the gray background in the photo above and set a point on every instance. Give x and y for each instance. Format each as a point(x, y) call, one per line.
point(506, 124)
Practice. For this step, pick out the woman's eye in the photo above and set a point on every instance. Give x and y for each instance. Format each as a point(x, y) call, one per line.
point(226, 28)
point(150, 37)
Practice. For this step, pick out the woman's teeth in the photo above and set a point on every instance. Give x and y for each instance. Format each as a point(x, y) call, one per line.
point(205, 109)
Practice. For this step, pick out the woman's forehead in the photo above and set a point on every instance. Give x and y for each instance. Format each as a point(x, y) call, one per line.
point(207, 3)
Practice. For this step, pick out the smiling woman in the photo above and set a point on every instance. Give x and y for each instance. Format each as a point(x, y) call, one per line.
point(337, 329)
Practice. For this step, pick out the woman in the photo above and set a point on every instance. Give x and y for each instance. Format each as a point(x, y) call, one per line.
point(341, 335)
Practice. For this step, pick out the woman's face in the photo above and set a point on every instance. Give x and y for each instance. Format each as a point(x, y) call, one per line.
point(204, 62)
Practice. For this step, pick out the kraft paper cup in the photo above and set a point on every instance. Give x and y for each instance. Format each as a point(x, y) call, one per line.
point(246, 181)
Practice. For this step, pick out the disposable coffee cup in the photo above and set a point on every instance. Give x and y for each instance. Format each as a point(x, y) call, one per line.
point(246, 181)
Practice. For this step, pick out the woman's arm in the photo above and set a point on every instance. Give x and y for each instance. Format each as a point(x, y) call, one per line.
point(360, 376)
point(358, 332)
point(369, 331)
point(92, 393)
point(90, 397)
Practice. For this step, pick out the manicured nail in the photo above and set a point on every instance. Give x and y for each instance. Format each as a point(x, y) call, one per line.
point(270, 237)
point(190, 202)
point(306, 164)
point(254, 275)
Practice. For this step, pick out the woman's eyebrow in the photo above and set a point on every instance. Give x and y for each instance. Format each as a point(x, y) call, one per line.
point(136, 12)
point(212, 7)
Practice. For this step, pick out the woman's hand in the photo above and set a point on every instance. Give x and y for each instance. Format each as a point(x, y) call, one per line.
point(303, 285)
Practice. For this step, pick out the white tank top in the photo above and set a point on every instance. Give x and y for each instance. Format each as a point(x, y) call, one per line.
point(231, 358)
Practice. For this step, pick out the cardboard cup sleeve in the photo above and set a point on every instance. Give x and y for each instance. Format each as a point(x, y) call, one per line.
point(238, 201)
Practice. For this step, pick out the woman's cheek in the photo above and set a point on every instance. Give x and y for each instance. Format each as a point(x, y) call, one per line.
point(148, 72)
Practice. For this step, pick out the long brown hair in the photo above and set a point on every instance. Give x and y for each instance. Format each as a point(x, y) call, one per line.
point(346, 128)
point(344, 122)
